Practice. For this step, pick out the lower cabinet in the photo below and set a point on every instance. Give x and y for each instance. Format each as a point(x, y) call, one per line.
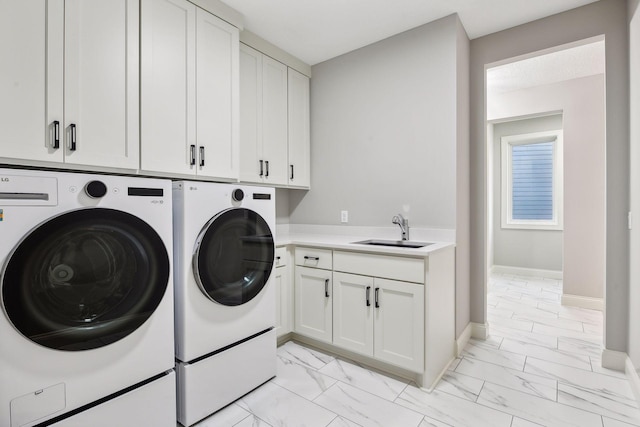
point(313, 303)
point(284, 303)
point(379, 318)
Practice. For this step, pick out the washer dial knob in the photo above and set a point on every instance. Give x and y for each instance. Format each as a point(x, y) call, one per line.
point(95, 189)
point(238, 195)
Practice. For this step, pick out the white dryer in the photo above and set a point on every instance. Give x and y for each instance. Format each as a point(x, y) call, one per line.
point(87, 299)
point(224, 298)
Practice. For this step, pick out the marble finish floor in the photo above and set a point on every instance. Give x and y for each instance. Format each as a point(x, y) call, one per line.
point(540, 367)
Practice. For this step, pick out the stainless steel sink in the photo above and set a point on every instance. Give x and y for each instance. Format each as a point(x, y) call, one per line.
point(394, 243)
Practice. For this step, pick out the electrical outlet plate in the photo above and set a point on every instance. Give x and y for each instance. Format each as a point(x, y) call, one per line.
point(344, 217)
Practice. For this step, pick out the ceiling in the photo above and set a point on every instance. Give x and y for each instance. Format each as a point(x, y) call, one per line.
point(317, 30)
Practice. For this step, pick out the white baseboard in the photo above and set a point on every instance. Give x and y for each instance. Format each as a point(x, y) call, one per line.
point(582, 302)
point(479, 331)
point(612, 359)
point(462, 341)
point(529, 272)
point(634, 378)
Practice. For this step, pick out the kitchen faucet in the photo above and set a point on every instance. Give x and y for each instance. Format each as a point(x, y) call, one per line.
point(404, 225)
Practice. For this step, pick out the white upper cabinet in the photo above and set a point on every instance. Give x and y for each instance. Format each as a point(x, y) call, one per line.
point(263, 118)
point(69, 85)
point(189, 91)
point(299, 131)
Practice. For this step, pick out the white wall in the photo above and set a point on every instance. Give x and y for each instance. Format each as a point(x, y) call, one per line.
point(608, 17)
point(582, 103)
point(533, 249)
point(389, 127)
point(634, 244)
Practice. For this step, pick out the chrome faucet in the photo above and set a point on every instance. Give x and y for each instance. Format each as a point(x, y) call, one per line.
point(404, 225)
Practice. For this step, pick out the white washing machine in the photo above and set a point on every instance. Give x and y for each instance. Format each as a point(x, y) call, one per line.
point(87, 299)
point(224, 298)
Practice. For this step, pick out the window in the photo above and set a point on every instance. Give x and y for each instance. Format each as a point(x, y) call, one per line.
point(532, 181)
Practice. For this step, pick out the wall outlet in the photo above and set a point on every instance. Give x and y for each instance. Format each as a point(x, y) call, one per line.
point(344, 217)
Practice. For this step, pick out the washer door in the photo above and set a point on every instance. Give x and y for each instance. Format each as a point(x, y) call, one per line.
point(85, 279)
point(233, 257)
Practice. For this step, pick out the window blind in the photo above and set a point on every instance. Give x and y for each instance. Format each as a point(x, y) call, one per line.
point(532, 181)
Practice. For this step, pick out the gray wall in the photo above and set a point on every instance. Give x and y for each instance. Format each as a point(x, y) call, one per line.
point(537, 249)
point(634, 264)
point(389, 127)
point(608, 17)
point(282, 206)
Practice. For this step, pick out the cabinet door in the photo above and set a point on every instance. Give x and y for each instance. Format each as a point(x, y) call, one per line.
point(283, 301)
point(274, 121)
point(399, 323)
point(31, 82)
point(313, 291)
point(353, 312)
point(217, 97)
point(251, 168)
point(168, 140)
point(299, 136)
point(101, 83)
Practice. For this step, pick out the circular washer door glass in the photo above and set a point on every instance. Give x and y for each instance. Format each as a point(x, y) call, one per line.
point(85, 279)
point(233, 258)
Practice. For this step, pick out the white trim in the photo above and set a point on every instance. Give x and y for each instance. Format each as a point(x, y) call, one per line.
point(612, 359)
point(462, 341)
point(506, 144)
point(273, 51)
point(582, 302)
point(479, 331)
point(529, 272)
point(634, 379)
point(222, 11)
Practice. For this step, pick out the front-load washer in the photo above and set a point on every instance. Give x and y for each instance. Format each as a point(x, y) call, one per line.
point(86, 290)
point(224, 298)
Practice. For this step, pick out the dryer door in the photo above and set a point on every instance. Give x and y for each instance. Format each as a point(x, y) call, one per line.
point(233, 257)
point(85, 279)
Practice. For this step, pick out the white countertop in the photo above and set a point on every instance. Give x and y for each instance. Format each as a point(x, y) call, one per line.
point(334, 238)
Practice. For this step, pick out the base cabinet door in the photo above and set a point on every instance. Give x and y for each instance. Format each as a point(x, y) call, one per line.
point(399, 323)
point(284, 303)
point(313, 305)
point(353, 312)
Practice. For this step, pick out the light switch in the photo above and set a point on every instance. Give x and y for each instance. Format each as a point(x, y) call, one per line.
point(344, 217)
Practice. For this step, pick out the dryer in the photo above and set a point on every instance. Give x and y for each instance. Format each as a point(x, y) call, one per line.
point(87, 299)
point(224, 296)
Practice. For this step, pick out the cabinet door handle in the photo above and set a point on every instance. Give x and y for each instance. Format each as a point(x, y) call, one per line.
point(266, 163)
point(72, 141)
point(56, 135)
point(291, 173)
point(326, 288)
point(192, 162)
point(277, 258)
point(312, 258)
point(201, 155)
point(368, 294)
point(377, 298)
point(261, 167)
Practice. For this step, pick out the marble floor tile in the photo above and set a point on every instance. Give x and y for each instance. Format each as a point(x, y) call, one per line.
point(513, 323)
point(227, 416)
point(499, 357)
point(536, 409)
point(493, 341)
point(522, 309)
point(515, 379)
point(364, 379)
point(608, 422)
point(573, 325)
point(596, 366)
point(301, 379)
point(578, 346)
point(304, 356)
point(452, 410)
point(252, 421)
point(280, 407)
point(342, 422)
point(519, 422)
point(430, 422)
point(457, 384)
point(545, 353)
point(601, 403)
point(454, 364)
point(527, 302)
point(561, 332)
point(498, 311)
point(605, 384)
point(365, 408)
point(592, 328)
point(530, 337)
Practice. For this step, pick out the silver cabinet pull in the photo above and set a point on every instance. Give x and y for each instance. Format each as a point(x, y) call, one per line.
point(72, 141)
point(377, 298)
point(368, 291)
point(201, 155)
point(312, 258)
point(326, 288)
point(56, 135)
point(192, 162)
